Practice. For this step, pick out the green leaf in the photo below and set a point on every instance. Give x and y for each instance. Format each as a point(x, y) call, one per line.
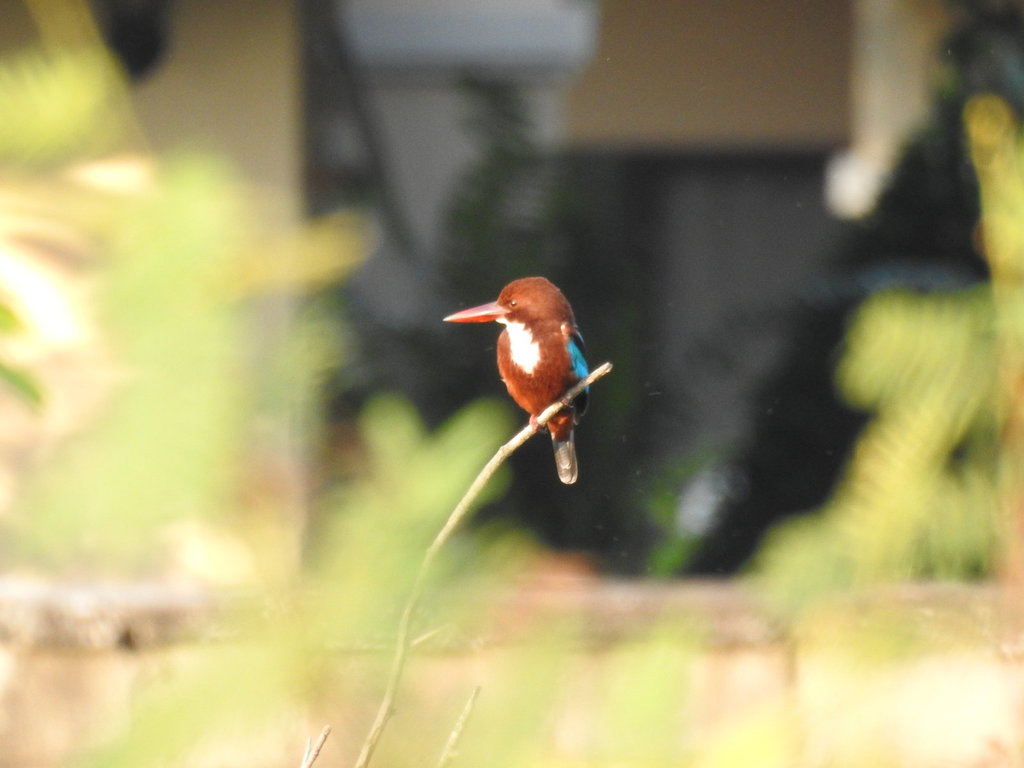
point(9, 320)
point(23, 384)
point(55, 105)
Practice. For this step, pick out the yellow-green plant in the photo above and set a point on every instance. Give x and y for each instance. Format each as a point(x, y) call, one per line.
point(178, 268)
point(932, 489)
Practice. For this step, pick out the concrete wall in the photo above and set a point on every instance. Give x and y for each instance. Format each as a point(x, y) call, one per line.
point(73, 661)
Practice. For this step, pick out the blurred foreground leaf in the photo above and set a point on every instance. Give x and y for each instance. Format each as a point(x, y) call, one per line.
point(9, 320)
point(57, 104)
point(368, 556)
point(935, 482)
point(22, 383)
point(167, 447)
point(321, 255)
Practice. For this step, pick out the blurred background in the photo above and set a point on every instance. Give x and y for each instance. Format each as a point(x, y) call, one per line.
point(714, 185)
point(233, 421)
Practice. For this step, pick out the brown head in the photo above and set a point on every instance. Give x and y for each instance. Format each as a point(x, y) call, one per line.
point(528, 300)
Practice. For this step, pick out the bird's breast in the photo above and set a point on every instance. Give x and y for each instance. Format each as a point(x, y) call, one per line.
point(524, 351)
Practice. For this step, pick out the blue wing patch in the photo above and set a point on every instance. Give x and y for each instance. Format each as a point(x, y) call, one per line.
point(579, 364)
point(579, 367)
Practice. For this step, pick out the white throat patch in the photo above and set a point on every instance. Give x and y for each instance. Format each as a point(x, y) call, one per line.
point(524, 350)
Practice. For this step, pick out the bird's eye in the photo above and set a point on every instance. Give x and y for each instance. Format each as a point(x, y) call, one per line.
point(513, 303)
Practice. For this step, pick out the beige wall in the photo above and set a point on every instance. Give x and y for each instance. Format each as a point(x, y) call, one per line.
point(716, 73)
point(229, 81)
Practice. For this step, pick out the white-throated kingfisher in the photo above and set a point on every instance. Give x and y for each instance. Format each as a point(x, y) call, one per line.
point(540, 356)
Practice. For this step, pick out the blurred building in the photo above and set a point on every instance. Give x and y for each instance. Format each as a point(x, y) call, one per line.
point(696, 77)
point(721, 138)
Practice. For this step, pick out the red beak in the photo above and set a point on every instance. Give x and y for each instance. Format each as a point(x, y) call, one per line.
point(482, 314)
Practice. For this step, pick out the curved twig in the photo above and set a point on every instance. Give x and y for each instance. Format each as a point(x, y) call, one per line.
point(386, 708)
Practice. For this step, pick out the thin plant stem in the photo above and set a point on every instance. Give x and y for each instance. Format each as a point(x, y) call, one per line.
point(451, 746)
point(313, 748)
point(402, 641)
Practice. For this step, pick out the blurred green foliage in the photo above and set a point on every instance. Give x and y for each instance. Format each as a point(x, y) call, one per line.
point(181, 270)
point(674, 545)
point(166, 445)
point(367, 556)
point(930, 490)
point(916, 499)
point(16, 378)
point(58, 105)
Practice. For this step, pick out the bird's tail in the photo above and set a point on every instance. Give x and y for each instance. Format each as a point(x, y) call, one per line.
point(565, 459)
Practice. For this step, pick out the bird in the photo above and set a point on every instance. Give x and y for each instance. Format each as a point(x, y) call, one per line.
point(540, 356)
